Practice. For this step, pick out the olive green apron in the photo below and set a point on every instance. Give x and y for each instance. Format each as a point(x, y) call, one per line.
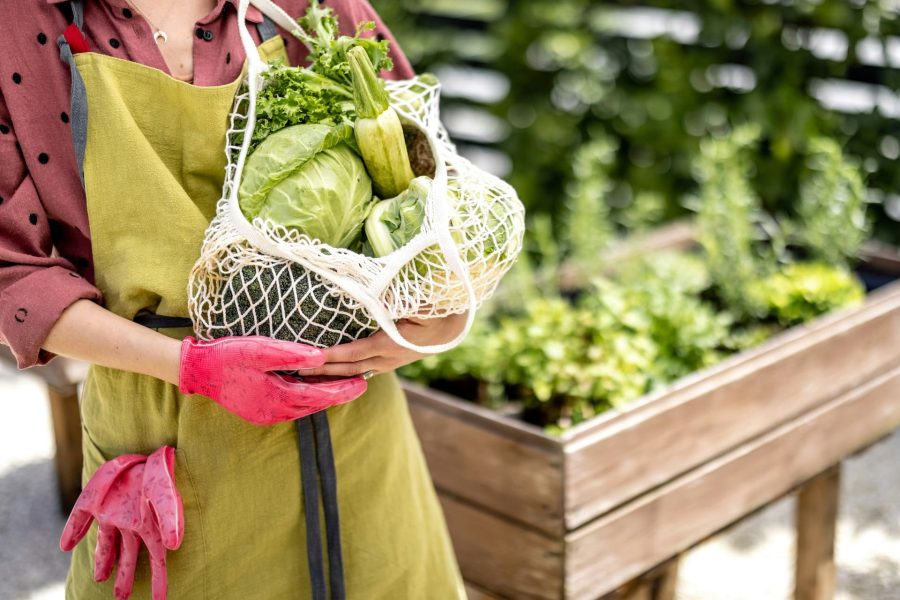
point(153, 169)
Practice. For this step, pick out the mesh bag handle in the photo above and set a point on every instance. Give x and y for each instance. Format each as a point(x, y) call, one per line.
point(365, 297)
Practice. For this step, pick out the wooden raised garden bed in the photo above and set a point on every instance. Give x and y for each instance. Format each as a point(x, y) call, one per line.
point(578, 516)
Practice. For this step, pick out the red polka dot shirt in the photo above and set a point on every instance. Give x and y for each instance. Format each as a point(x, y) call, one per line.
point(45, 248)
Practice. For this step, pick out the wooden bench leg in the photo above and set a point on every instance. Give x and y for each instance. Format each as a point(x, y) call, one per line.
point(817, 513)
point(67, 432)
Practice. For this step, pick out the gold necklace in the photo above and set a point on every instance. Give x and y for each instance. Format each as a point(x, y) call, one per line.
point(159, 35)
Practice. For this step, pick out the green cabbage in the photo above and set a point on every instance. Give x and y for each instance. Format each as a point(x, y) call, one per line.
point(307, 178)
point(395, 221)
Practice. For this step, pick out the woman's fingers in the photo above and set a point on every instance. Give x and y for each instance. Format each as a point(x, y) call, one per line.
point(352, 369)
point(278, 355)
point(357, 351)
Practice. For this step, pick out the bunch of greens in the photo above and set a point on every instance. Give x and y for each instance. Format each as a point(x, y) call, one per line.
point(311, 170)
point(321, 92)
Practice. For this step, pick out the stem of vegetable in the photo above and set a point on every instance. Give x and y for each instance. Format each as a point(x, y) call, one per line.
point(379, 133)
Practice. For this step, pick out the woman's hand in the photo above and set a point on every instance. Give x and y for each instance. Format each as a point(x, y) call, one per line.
point(379, 354)
point(241, 374)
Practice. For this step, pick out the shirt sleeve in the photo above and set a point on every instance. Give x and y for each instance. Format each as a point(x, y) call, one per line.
point(36, 285)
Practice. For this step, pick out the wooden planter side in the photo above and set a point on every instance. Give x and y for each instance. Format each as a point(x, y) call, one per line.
point(490, 462)
point(620, 457)
point(504, 557)
point(632, 539)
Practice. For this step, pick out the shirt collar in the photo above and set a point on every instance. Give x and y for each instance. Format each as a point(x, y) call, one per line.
point(253, 14)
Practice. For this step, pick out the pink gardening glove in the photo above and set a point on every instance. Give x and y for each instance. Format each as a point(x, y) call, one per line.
point(133, 499)
point(237, 372)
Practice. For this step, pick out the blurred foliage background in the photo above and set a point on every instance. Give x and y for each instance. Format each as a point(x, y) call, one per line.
point(572, 98)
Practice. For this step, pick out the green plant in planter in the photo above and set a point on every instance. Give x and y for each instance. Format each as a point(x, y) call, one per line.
point(728, 218)
point(803, 291)
point(754, 257)
point(832, 205)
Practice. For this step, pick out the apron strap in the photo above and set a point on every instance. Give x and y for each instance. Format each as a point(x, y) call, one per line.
point(328, 478)
point(266, 29)
point(307, 444)
point(314, 440)
point(78, 96)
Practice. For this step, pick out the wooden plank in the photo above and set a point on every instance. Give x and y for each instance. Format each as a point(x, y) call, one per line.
point(496, 467)
point(503, 557)
point(616, 457)
point(627, 542)
point(817, 514)
point(67, 434)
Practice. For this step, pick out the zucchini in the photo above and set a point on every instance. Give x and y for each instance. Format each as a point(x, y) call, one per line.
point(379, 133)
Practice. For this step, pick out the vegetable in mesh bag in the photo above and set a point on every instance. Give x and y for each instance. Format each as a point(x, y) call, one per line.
point(305, 177)
point(392, 223)
point(287, 302)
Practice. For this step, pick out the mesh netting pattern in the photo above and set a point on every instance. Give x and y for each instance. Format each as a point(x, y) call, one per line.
point(262, 279)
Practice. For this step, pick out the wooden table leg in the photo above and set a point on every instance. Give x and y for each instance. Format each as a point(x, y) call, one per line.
point(658, 584)
point(666, 581)
point(817, 513)
point(67, 432)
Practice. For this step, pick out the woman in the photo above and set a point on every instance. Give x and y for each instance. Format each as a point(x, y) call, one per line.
point(112, 164)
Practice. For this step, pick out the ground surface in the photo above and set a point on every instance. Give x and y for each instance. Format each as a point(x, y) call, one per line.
point(749, 562)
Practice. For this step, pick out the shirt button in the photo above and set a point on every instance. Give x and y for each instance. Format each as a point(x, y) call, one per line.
point(208, 35)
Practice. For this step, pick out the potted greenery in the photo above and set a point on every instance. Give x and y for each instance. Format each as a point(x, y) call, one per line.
point(565, 432)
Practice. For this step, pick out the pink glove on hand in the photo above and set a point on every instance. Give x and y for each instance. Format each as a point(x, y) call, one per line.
point(133, 499)
point(237, 372)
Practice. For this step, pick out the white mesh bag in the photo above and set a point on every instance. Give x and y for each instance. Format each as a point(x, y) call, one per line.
point(262, 279)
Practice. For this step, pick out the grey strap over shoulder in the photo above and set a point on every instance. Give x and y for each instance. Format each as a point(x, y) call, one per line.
point(78, 112)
